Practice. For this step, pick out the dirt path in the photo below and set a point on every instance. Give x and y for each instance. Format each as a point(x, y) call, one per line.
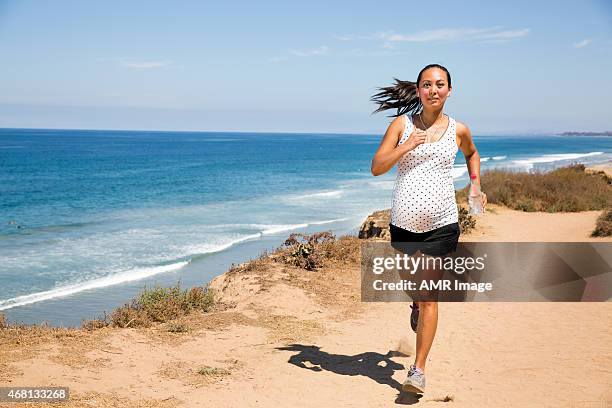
point(293, 338)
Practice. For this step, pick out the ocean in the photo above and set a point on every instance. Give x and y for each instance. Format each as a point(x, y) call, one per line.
point(89, 218)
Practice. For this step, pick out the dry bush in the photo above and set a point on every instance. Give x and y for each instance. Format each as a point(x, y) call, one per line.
point(253, 265)
point(159, 304)
point(129, 315)
point(314, 251)
point(466, 221)
point(21, 341)
point(566, 189)
point(603, 227)
point(303, 250)
point(94, 324)
point(344, 249)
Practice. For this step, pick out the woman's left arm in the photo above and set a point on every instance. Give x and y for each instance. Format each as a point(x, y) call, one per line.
point(472, 157)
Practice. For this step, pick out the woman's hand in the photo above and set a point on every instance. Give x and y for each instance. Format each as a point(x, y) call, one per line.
point(416, 138)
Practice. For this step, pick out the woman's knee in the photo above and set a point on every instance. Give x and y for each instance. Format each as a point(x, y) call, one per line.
point(428, 305)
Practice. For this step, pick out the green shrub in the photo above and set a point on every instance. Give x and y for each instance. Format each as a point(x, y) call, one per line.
point(160, 304)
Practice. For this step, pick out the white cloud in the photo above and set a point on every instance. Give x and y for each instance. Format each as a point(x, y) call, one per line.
point(322, 50)
point(492, 34)
point(358, 52)
point(582, 43)
point(144, 64)
point(459, 34)
point(352, 37)
point(506, 35)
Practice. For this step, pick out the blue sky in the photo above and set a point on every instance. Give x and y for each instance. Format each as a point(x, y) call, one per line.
point(517, 66)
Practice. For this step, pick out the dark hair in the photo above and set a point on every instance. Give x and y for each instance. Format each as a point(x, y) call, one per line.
point(403, 95)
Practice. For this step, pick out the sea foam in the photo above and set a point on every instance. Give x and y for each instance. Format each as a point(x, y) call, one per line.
point(61, 291)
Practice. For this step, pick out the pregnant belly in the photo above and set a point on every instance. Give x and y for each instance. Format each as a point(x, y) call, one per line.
point(423, 205)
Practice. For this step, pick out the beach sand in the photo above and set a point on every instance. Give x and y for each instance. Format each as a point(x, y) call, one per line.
point(502, 224)
point(294, 338)
point(605, 167)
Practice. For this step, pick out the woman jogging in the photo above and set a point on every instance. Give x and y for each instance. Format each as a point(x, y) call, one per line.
point(424, 142)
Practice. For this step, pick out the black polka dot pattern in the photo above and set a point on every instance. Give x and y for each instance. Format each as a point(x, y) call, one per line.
point(424, 194)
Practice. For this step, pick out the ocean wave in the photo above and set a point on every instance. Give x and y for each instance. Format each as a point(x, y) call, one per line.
point(323, 194)
point(549, 158)
point(499, 157)
point(269, 227)
point(327, 221)
point(264, 229)
point(115, 279)
point(382, 184)
point(281, 228)
point(210, 248)
point(272, 229)
point(459, 171)
point(194, 251)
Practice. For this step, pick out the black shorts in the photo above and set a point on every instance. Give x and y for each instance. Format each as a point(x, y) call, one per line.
point(438, 242)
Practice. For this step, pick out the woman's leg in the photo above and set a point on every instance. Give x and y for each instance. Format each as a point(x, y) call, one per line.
point(428, 316)
point(426, 331)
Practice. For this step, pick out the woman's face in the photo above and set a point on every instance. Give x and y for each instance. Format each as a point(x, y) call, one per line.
point(433, 88)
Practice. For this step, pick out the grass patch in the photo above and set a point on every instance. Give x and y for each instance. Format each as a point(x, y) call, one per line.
point(20, 341)
point(566, 189)
point(197, 376)
point(177, 327)
point(603, 227)
point(213, 371)
point(158, 304)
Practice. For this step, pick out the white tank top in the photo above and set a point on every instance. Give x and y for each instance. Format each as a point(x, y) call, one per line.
point(424, 194)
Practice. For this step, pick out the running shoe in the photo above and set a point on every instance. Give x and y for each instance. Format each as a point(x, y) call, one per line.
point(415, 382)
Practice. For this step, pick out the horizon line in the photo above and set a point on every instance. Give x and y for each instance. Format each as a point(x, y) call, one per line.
point(526, 133)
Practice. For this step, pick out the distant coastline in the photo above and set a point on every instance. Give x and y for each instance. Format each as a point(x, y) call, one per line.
point(608, 133)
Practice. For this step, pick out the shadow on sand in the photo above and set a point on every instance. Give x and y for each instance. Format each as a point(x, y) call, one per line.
point(376, 366)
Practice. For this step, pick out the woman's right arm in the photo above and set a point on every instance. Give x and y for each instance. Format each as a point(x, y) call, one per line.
point(389, 152)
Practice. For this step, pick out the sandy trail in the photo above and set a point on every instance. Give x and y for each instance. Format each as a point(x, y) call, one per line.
point(303, 339)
